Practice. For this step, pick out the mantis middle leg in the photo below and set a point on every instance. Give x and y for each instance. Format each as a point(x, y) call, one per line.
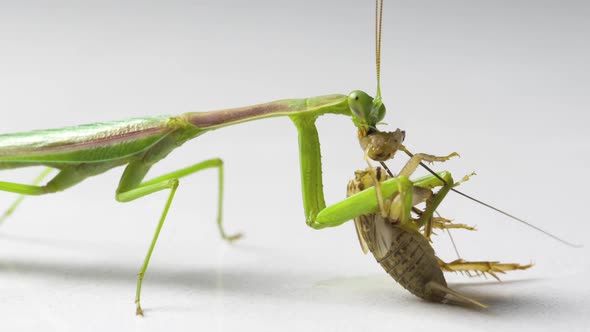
point(129, 190)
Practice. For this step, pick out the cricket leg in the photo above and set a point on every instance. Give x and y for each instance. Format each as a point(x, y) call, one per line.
point(416, 159)
point(409, 168)
point(129, 190)
point(426, 218)
point(444, 223)
point(20, 198)
point(480, 268)
point(376, 182)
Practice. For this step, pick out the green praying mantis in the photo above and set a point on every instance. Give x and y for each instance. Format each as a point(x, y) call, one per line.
point(88, 150)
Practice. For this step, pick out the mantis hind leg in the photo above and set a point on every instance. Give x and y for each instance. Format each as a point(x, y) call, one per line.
point(129, 190)
point(20, 198)
point(66, 178)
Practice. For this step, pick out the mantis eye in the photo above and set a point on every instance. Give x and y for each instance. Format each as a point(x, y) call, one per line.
point(377, 113)
point(360, 105)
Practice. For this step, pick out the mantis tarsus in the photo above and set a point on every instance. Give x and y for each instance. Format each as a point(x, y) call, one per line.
point(84, 151)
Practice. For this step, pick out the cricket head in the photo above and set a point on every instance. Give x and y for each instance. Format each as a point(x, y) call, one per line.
point(381, 145)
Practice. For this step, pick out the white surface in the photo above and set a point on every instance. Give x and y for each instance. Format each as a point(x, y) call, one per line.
point(504, 85)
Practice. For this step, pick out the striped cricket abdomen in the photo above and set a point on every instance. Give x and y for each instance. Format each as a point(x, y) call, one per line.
point(403, 253)
point(410, 260)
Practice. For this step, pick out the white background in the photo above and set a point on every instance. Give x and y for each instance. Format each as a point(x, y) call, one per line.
point(503, 83)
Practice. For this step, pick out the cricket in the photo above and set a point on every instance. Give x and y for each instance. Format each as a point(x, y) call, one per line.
point(386, 208)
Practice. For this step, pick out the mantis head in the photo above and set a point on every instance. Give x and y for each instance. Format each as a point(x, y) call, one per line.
point(366, 111)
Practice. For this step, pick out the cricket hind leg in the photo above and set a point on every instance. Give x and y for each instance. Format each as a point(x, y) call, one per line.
point(130, 188)
point(481, 267)
point(426, 217)
point(410, 167)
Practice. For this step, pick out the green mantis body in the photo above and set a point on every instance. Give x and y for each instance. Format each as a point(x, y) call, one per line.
point(88, 150)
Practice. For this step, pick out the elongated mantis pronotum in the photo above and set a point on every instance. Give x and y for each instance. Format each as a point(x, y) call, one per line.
point(85, 151)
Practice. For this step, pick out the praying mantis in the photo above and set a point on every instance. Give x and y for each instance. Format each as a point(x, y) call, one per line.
point(89, 150)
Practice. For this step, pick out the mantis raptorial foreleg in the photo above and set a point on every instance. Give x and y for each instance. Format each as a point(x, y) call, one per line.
point(319, 216)
point(365, 202)
point(129, 190)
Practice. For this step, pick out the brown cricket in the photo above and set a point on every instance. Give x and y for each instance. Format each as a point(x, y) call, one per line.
point(405, 252)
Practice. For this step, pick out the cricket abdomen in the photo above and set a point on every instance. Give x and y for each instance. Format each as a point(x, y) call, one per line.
point(412, 263)
point(404, 253)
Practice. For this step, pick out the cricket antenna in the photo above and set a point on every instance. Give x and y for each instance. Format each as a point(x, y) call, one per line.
point(378, 24)
point(501, 211)
point(389, 172)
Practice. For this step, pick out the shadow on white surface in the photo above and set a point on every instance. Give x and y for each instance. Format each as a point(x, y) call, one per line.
point(511, 297)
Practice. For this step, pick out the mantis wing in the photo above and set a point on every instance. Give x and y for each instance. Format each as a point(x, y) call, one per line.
point(85, 143)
